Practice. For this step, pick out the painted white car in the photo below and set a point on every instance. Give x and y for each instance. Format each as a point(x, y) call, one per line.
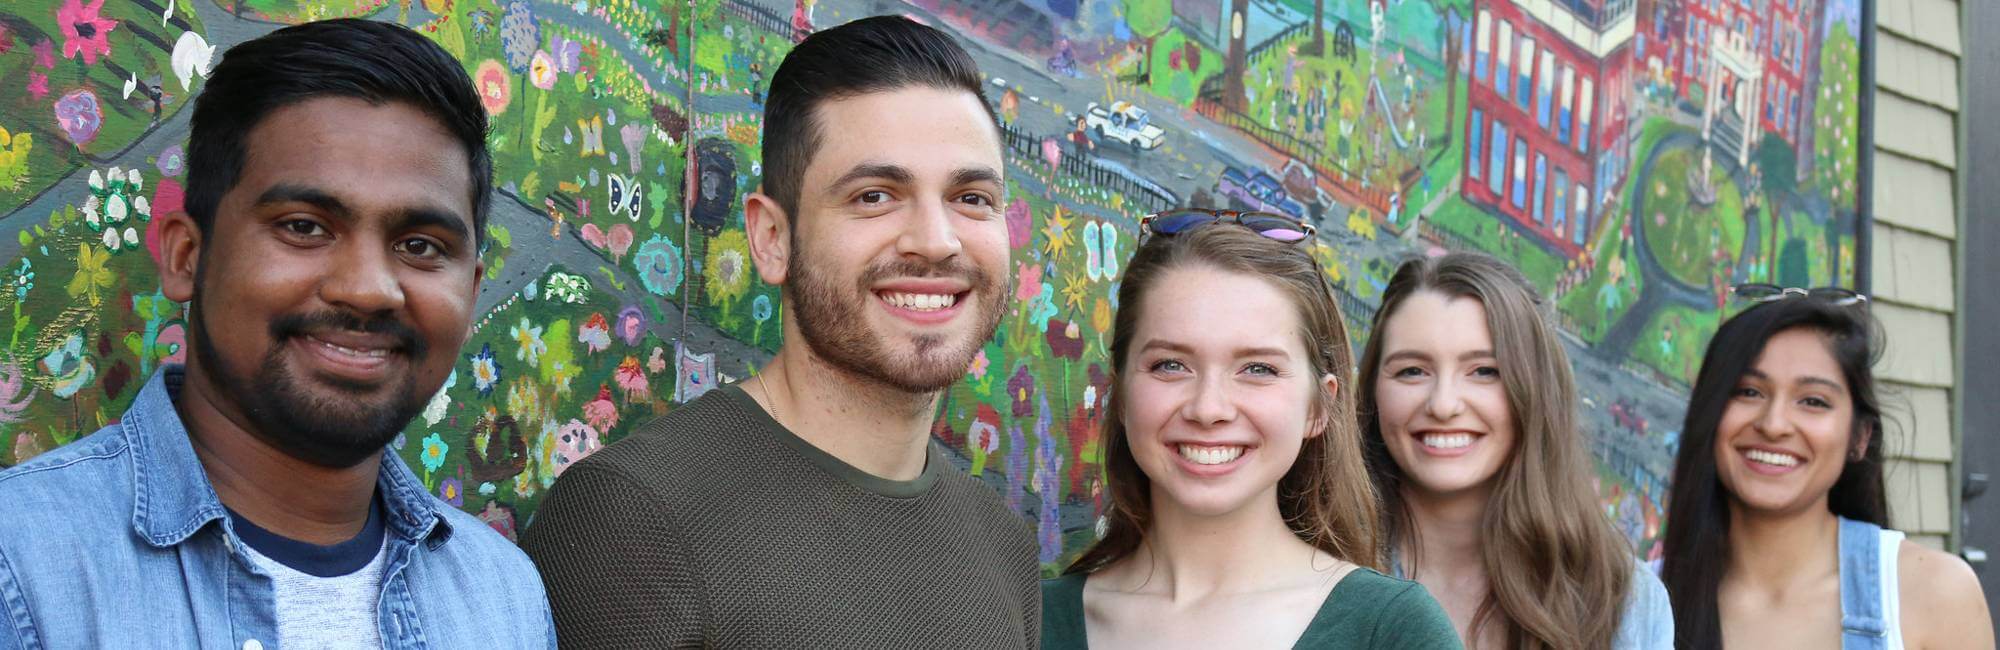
point(1126, 123)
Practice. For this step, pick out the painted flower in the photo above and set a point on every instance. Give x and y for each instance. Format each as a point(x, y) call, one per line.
point(519, 36)
point(80, 116)
point(600, 412)
point(542, 70)
point(38, 85)
point(495, 87)
point(92, 278)
point(500, 517)
point(84, 30)
point(1019, 388)
point(980, 362)
point(619, 240)
point(529, 336)
point(171, 161)
point(760, 308)
point(1020, 223)
point(1058, 232)
point(595, 335)
point(453, 492)
point(568, 54)
point(523, 401)
point(657, 363)
point(728, 266)
point(632, 379)
point(434, 451)
point(659, 265)
point(1030, 278)
point(574, 441)
point(24, 279)
point(434, 411)
point(13, 401)
point(1043, 308)
point(631, 324)
point(485, 370)
point(173, 339)
point(1100, 316)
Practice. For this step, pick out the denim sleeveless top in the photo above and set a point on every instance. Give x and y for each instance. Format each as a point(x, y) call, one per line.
point(1870, 610)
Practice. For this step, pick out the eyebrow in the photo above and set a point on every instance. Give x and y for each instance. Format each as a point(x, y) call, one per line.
point(406, 218)
point(886, 171)
point(1808, 379)
point(970, 175)
point(1423, 356)
point(1181, 348)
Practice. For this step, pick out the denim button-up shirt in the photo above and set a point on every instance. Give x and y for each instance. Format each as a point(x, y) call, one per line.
point(119, 541)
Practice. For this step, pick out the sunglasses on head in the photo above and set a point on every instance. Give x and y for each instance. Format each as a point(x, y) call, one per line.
point(1272, 226)
point(1762, 292)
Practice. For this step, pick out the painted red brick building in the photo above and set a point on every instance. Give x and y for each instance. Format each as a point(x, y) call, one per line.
point(1548, 127)
point(1779, 44)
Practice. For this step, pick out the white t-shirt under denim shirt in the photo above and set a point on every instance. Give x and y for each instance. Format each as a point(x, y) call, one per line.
point(326, 595)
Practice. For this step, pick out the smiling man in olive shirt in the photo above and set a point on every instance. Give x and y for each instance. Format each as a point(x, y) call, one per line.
point(808, 507)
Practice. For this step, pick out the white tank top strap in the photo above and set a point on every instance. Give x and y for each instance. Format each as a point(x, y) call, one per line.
point(1891, 542)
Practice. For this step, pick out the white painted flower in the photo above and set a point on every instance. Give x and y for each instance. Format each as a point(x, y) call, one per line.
point(132, 177)
point(142, 206)
point(111, 238)
point(115, 209)
point(192, 56)
point(90, 207)
point(96, 180)
point(131, 236)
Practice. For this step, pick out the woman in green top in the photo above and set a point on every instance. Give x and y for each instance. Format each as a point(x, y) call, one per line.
point(1240, 511)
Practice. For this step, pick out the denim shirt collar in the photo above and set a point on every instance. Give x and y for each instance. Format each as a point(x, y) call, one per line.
point(172, 498)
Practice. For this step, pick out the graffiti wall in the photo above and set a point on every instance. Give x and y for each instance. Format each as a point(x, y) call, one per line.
point(1633, 157)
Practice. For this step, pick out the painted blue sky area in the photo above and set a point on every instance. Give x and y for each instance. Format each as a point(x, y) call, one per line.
point(1845, 14)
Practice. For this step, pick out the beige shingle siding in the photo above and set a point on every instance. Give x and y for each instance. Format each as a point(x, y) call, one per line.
point(1913, 268)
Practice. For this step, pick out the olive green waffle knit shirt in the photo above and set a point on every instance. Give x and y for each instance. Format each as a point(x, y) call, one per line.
point(715, 527)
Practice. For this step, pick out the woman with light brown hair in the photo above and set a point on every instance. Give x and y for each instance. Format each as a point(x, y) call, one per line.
point(1468, 418)
point(1240, 514)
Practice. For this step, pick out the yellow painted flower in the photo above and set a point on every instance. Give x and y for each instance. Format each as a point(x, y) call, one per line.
point(1058, 232)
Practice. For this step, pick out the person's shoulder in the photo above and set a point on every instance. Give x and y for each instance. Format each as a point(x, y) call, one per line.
point(85, 478)
point(1939, 591)
point(1404, 613)
point(707, 425)
point(492, 565)
point(980, 502)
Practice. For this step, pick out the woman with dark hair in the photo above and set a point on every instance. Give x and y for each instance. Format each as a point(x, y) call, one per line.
point(1240, 513)
point(1468, 417)
point(1775, 533)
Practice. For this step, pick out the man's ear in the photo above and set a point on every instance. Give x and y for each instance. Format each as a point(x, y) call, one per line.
point(770, 231)
point(180, 253)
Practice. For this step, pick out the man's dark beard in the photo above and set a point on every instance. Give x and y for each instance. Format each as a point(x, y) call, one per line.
point(336, 432)
point(833, 324)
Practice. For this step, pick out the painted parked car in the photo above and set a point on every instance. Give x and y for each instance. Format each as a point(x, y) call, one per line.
point(1258, 191)
point(1125, 123)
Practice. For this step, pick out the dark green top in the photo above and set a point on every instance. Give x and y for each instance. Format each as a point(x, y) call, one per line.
point(715, 527)
point(1366, 610)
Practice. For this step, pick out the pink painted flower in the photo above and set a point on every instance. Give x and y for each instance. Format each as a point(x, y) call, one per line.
point(84, 31)
point(38, 84)
point(173, 339)
point(574, 441)
point(495, 87)
point(632, 379)
point(1030, 277)
point(80, 116)
point(1020, 223)
point(13, 400)
point(45, 54)
point(619, 239)
point(542, 70)
point(600, 412)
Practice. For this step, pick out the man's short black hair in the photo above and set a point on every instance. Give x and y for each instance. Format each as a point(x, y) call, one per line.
point(368, 60)
point(870, 55)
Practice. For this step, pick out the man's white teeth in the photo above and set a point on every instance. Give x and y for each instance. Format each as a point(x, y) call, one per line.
point(1447, 440)
point(1204, 455)
point(373, 353)
point(1771, 458)
point(920, 301)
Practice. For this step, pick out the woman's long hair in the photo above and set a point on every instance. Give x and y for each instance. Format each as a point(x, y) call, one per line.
point(1325, 497)
point(1696, 544)
point(1558, 571)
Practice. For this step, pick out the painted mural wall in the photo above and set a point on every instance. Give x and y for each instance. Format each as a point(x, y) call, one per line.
point(1633, 157)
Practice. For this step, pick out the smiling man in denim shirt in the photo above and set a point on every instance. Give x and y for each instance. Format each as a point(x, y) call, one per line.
point(329, 256)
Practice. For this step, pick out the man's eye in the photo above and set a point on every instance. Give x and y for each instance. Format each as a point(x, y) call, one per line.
point(303, 227)
point(421, 248)
point(976, 199)
point(874, 197)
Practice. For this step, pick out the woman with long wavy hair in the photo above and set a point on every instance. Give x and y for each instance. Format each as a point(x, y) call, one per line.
point(1240, 513)
point(1468, 417)
point(1777, 523)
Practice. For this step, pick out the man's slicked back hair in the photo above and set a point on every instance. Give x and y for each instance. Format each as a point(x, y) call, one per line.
point(372, 61)
point(870, 55)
